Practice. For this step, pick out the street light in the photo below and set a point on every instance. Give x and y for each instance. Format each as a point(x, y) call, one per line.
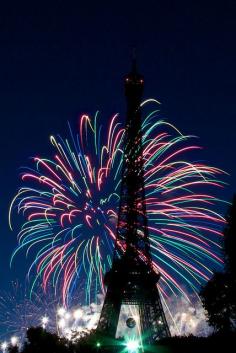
point(98, 346)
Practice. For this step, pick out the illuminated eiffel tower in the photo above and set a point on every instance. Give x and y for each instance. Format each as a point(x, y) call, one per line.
point(132, 279)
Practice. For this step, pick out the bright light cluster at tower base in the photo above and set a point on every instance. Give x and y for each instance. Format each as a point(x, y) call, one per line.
point(132, 346)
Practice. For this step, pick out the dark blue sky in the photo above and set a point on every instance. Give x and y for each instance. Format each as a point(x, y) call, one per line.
point(58, 61)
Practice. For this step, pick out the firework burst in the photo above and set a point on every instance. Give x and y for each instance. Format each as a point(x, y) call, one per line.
point(70, 207)
point(18, 312)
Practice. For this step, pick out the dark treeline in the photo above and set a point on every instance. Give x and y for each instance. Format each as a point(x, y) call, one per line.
point(41, 341)
point(38, 340)
point(216, 343)
point(219, 294)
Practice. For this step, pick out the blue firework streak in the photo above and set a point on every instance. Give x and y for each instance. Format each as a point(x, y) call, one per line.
point(70, 206)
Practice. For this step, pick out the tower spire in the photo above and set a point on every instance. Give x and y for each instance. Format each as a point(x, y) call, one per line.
point(134, 61)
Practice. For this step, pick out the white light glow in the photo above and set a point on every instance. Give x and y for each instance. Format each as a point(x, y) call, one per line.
point(4, 346)
point(61, 311)
point(132, 346)
point(14, 340)
point(67, 316)
point(45, 320)
point(78, 314)
point(61, 323)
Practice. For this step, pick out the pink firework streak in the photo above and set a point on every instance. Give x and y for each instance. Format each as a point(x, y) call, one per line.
point(70, 204)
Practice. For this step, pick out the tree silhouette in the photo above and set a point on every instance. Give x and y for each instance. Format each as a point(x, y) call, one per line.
point(215, 298)
point(219, 294)
point(230, 240)
point(13, 349)
point(41, 341)
point(230, 258)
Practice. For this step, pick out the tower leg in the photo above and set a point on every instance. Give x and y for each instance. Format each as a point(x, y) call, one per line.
point(152, 321)
point(109, 318)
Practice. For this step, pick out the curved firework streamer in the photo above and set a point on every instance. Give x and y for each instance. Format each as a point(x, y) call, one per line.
point(70, 204)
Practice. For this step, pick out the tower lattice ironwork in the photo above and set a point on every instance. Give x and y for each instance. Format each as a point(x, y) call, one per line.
point(132, 279)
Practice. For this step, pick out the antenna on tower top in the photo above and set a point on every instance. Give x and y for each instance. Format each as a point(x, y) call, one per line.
point(134, 61)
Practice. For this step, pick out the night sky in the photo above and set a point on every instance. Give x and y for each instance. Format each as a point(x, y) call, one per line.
point(59, 61)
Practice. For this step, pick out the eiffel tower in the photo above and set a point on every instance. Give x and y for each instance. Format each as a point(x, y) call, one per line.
point(132, 279)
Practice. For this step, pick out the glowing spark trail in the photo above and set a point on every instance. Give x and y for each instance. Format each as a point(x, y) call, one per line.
point(70, 206)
